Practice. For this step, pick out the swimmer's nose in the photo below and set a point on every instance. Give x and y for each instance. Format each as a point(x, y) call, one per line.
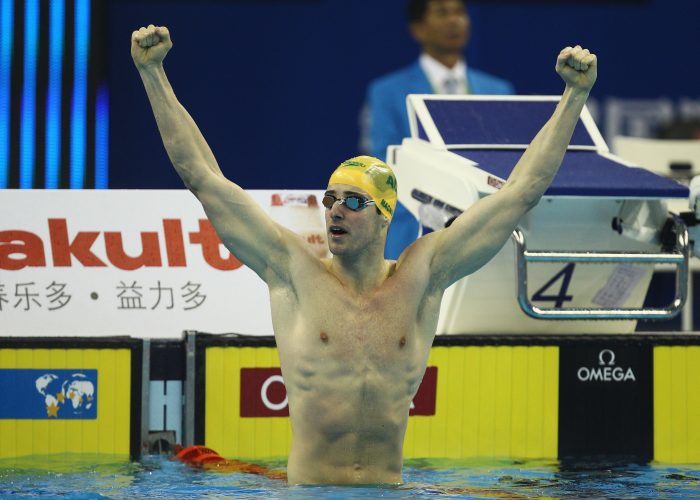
point(337, 211)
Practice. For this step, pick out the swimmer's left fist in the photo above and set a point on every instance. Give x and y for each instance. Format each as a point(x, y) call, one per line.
point(577, 67)
point(149, 46)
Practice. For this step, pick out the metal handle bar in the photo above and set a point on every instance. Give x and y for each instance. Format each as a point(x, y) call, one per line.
point(679, 258)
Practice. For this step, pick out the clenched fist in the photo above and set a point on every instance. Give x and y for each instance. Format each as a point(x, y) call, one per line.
point(149, 46)
point(577, 67)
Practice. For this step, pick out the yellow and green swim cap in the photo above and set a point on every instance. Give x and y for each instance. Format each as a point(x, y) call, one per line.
point(371, 175)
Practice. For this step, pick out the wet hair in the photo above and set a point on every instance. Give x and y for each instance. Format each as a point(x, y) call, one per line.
point(416, 9)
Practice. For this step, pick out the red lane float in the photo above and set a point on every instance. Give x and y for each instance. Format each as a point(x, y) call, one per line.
point(202, 457)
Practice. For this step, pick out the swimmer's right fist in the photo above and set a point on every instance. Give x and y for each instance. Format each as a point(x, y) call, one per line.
point(150, 45)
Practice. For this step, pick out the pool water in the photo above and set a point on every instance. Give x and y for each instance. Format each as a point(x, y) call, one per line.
point(157, 477)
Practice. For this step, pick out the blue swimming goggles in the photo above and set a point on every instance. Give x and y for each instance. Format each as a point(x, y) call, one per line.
point(353, 201)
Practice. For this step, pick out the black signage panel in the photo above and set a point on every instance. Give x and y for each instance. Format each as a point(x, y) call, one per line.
point(606, 400)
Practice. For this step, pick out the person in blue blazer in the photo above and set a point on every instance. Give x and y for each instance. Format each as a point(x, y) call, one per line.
point(442, 29)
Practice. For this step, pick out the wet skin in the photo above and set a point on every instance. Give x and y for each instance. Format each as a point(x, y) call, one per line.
point(354, 331)
point(352, 353)
point(352, 362)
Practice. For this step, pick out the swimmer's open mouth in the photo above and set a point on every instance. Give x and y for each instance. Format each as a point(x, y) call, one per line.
point(337, 230)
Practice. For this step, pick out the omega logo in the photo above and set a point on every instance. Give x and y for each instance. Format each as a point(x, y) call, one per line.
point(266, 400)
point(606, 371)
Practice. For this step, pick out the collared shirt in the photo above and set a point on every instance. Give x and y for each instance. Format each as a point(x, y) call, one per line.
point(445, 80)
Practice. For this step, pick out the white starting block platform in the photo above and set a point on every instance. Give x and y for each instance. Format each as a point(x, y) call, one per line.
point(605, 219)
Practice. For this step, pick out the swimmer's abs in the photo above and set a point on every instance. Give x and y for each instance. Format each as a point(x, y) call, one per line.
point(338, 449)
point(345, 408)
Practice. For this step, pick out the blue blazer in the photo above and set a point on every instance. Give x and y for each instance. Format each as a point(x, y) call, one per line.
point(388, 125)
point(387, 101)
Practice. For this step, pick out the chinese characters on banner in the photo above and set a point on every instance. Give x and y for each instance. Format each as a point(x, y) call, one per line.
point(139, 263)
point(54, 296)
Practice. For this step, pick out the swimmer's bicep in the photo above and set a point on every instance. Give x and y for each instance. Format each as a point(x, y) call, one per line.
point(475, 237)
point(246, 229)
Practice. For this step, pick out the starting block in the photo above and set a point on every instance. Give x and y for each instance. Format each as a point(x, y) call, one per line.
point(586, 251)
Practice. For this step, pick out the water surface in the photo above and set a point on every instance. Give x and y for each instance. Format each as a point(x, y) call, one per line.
point(79, 477)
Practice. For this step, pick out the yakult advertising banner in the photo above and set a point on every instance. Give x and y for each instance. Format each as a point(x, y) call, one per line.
point(138, 263)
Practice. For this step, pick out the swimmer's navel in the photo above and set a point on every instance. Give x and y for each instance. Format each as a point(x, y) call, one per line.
point(402, 341)
point(324, 337)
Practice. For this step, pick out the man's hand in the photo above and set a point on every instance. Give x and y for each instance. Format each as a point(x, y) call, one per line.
point(149, 46)
point(577, 67)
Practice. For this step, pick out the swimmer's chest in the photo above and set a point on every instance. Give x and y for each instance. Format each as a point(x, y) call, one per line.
point(379, 326)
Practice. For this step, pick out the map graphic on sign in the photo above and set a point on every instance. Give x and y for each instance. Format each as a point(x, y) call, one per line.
point(48, 394)
point(75, 394)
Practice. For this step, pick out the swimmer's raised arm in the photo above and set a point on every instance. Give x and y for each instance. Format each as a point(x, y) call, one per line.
point(240, 222)
point(480, 232)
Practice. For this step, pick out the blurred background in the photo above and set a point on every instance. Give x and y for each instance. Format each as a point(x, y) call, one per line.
point(276, 86)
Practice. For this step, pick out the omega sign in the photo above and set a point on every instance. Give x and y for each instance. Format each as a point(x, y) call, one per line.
point(606, 371)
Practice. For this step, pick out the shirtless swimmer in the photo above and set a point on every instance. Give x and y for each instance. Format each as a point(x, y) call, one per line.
point(354, 331)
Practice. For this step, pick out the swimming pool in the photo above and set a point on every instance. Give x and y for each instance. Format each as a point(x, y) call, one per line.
point(65, 476)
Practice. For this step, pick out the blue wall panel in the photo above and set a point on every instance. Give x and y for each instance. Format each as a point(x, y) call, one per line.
point(276, 86)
